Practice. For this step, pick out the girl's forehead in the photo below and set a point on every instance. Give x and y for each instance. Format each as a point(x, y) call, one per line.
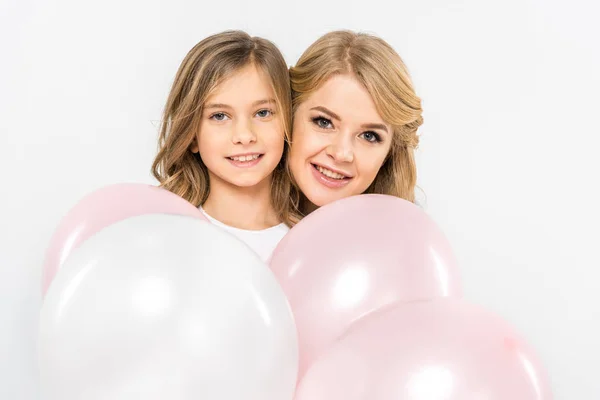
point(249, 84)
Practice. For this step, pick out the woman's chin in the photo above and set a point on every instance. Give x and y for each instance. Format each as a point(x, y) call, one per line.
point(320, 198)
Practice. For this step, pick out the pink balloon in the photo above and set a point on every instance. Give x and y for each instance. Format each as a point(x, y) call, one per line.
point(102, 208)
point(354, 256)
point(443, 349)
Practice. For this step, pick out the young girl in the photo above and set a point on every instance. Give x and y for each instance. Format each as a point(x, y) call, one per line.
point(223, 139)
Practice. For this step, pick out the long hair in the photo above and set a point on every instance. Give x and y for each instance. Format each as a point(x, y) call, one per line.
point(375, 64)
point(205, 66)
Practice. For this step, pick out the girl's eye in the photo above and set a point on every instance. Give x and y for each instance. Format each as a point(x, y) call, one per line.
point(264, 113)
point(322, 122)
point(371, 137)
point(218, 117)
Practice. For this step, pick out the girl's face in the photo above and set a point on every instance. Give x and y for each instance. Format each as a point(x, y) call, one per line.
point(241, 135)
point(339, 141)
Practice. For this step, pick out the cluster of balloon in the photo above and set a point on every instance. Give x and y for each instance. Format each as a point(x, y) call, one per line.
point(361, 300)
point(376, 295)
point(143, 298)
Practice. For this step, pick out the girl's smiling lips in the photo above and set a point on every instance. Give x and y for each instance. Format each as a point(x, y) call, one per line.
point(245, 160)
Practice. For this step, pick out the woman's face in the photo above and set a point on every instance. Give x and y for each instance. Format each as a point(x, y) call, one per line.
point(339, 141)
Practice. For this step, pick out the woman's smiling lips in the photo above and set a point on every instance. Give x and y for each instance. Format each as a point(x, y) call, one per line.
point(330, 178)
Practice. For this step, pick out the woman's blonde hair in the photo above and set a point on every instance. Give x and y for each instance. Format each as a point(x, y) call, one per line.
point(375, 64)
point(206, 65)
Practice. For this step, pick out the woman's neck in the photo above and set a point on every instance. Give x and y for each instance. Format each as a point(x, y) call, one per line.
point(244, 208)
point(306, 205)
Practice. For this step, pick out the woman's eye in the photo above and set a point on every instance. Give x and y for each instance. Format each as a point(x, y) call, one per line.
point(323, 123)
point(218, 116)
point(371, 137)
point(264, 113)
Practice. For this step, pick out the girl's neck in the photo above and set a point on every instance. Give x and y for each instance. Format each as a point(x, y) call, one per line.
point(244, 208)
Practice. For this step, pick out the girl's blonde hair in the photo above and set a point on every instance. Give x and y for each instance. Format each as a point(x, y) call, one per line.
point(375, 64)
point(205, 66)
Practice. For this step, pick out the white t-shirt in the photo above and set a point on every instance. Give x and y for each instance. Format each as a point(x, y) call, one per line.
point(263, 242)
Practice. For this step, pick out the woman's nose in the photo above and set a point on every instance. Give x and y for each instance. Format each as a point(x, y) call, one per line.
point(341, 150)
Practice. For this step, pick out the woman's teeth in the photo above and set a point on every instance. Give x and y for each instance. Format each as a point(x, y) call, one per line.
point(329, 173)
point(245, 158)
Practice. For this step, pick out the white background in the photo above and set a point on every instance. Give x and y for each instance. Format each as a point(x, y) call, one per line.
point(508, 157)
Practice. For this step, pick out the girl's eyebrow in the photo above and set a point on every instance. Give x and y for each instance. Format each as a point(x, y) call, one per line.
point(227, 106)
point(264, 101)
point(217, 105)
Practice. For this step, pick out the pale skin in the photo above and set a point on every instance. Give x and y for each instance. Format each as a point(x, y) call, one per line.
point(339, 141)
point(241, 141)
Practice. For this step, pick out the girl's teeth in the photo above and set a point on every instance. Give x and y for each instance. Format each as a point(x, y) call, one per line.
point(329, 173)
point(245, 158)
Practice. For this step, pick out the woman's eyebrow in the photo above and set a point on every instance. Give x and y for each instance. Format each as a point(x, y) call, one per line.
point(375, 126)
point(327, 111)
point(333, 115)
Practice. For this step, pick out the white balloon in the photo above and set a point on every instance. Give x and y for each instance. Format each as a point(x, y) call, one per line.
point(166, 307)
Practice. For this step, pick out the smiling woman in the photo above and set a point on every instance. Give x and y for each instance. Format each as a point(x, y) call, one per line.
point(356, 115)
